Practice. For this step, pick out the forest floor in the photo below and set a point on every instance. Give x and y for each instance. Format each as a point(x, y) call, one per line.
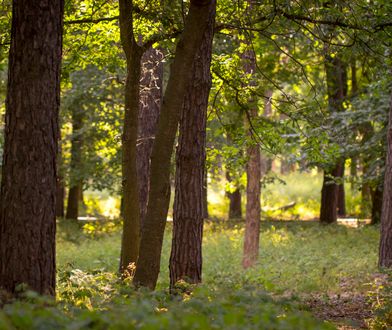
point(308, 277)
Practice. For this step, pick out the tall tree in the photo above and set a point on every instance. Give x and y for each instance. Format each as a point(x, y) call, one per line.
point(189, 204)
point(235, 206)
point(196, 23)
point(131, 216)
point(28, 186)
point(151, 85)
point(336, 77)
point(385, 254)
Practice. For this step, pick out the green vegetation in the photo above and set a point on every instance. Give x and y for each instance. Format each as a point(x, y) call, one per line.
point(297, 260)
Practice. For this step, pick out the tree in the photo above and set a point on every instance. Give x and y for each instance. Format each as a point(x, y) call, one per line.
point(385, 253)
point(133, 53)
point(189, 204)
point(75, 182)
point(196, 23)
point(151, 85)
point(337, 90)
point(28, 187)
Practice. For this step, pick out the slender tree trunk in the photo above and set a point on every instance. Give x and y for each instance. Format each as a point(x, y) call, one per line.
point(341, 204)
point(28, 187)
point(253, 174)
point(377, 198)
point(60, 188)
point(235, 206)
point(385, 254)
point(253, 207)
point(76, 183)
point(188, 211)
point(131, 211)
point(150, 104)
point(337, 91)
point(205, 195)
point(196, 23)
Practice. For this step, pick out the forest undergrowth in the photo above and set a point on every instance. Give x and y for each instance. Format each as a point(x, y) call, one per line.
point(306, 278)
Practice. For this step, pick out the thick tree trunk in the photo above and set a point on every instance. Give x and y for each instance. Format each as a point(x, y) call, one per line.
point(196, 23)
point(336, 74)
point(76, 183)
point(150, 104)
point(131, 211)
point(235, 206)
point(188, 211)
point(28, 187)
point(385, 254)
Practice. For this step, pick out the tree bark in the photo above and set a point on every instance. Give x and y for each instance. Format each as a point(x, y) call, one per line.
point(150, 104)
point(336, 74)
point(188, 211)
point(253, 174)
point(341, 204)
point(131, 210)
point(377, 198)
point(196, 23)
point(28, 187)
point(385, 252)
point(235, 206)
point(76, 182)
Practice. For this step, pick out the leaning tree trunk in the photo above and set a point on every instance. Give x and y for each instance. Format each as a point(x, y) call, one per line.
point(28, 187)
point(189, 205)
point(235, 207)
point(385, 254)
point(150, 104)
point(196, 23)
point(337, 90)
point(131, 211)
point(76, 183)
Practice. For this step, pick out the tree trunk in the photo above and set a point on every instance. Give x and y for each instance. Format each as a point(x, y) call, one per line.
point(188, 211)
point(377, 197)
point(76, 182)
point(329, 197)
point(235, 206)
point(150, 104)
point(28, 187)
point(341, 203)
point(253, 174)
point(196, 23)
point(336, 74)
point(253, 207)
point(131, 211)
point(60, 188)
point(385, 254)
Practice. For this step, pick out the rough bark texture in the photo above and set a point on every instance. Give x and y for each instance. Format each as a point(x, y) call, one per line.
point(131, 211)
point(76, 183)
point(336, 74)
point(235, 207)
point(150, 105)
point(28, 187)
point(253, 186)
point(385, 254)
point(196, 23)
point(189, 206)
